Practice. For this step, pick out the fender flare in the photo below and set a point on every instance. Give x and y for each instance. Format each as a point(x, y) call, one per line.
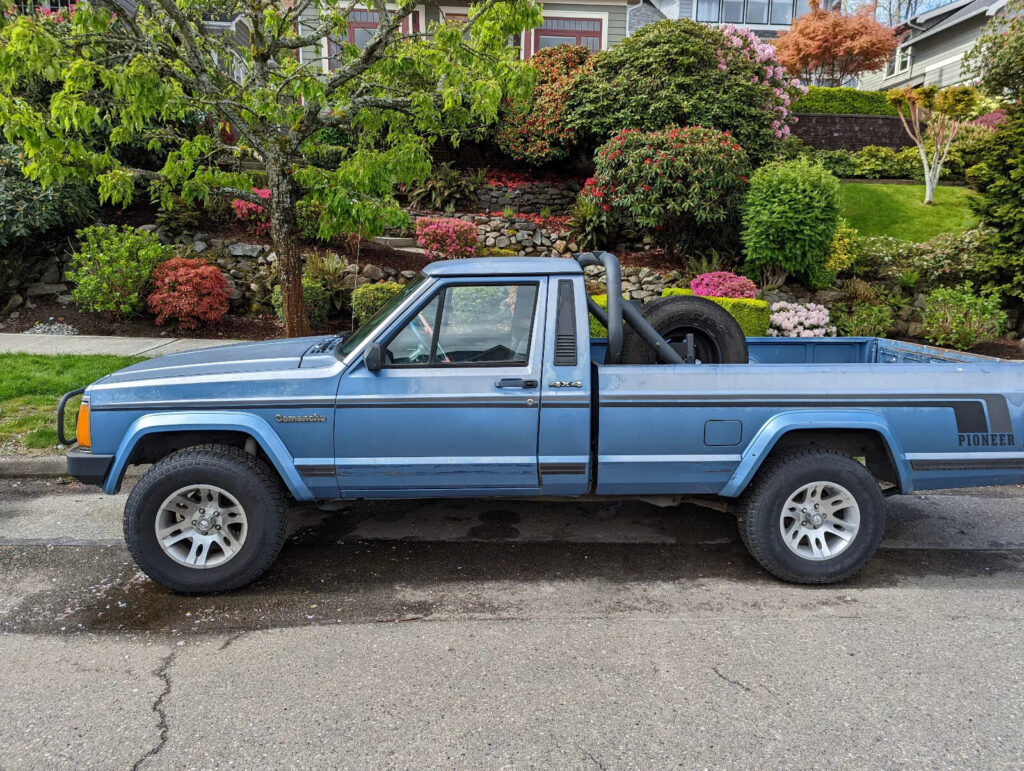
point(246, 423)
point(839, 420)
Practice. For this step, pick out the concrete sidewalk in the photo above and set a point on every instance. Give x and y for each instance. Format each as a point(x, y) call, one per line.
point(103, 344)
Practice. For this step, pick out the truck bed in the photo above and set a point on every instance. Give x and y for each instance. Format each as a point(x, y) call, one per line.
point(947, 419)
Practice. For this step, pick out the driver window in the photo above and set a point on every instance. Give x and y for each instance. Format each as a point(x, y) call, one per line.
point(483, 324)
point(412, 344)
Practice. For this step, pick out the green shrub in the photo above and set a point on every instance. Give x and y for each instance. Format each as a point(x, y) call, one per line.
point(753, 316)
point(1000, 180)
point(686, 74)
point(684, 184)
point(493, 251)
point(790, 216)
point(113, 267)
point(961, 318)
point(842, 163)
point(952, 258)
point(864, 320)
point(597, 329)
point(589, 219)
point(317, 298)
point(370, 298)
point(879, 256)
point(973, 142)
point(844, 101)
point(842, 251)
point(307, 215)
point(28, 213)
point(329, 270)
point(445, 186)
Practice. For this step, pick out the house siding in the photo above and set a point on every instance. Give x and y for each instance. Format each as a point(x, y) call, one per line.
point(930, 59)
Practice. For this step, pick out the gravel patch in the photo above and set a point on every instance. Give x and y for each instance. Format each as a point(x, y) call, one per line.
point(51, 328)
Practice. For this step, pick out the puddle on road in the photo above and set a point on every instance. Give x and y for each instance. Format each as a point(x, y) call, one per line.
point(328, 573)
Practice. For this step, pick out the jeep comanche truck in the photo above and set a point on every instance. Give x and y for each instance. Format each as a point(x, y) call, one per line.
point(480, 379)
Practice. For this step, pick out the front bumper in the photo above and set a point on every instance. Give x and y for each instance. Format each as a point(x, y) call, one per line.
point(88, 468)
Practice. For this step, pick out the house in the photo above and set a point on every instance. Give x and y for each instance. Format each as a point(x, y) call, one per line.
point(765, 17)
point(934, 45)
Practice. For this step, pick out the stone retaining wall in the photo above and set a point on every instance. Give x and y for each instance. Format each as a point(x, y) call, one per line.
point(851, 132)
point(530, 198)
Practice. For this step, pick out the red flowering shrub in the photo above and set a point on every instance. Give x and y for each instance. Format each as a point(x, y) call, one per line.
point(254, 215)
point(191, 292)
point(723, 283)
point(446, 238)
point(686, 184)
point(535, 130)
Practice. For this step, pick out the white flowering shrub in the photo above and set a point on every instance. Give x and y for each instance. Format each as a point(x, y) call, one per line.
point(796, 320)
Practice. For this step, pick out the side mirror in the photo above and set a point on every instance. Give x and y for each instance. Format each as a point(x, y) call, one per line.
point(374, 357)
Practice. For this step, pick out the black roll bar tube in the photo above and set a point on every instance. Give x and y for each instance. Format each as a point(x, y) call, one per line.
point(617, 309)
point(613, 317)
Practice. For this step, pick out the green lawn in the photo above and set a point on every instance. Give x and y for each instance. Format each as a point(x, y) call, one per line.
point(879, 209)
point(31, 386)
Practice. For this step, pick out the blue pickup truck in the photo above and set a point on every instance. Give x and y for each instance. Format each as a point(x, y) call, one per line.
point(481, 379)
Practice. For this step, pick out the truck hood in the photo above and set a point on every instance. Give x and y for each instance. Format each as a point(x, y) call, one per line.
point(238, 358)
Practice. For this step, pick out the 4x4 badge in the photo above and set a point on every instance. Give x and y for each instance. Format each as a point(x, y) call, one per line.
point(566, 384)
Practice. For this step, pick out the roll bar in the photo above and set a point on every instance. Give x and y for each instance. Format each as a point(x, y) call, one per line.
point(617, 310)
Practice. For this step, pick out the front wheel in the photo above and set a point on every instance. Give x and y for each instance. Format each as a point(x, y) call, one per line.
point(812, 516)
point(206, 519)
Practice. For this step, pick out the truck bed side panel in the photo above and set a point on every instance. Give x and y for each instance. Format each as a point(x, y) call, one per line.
point(678, 429)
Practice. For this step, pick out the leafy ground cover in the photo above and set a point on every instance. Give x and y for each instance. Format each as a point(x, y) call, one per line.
point(30, 389)
point(880, 209)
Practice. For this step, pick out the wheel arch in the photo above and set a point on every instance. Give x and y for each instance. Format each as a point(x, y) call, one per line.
point(152, 437)
point(858, 433)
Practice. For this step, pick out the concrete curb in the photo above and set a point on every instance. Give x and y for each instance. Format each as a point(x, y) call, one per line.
point(147, 347)
point(46, 466)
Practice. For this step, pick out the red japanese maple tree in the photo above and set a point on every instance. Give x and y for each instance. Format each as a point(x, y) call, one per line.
point(831, 48)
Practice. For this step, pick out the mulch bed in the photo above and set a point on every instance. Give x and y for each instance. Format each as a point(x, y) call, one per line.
point(264, 327)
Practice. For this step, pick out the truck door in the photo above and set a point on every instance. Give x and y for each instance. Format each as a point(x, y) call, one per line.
point(455, 408)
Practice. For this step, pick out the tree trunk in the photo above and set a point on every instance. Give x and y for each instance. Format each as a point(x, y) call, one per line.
point(284, 229)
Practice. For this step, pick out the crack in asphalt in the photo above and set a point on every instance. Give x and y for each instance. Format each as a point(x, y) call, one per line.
point(163, 726)
point(230, 641)
point(729, 680)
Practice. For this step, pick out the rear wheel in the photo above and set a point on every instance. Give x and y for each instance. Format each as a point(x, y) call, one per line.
point(717, 337)
point(206, 519)
point(812, 516)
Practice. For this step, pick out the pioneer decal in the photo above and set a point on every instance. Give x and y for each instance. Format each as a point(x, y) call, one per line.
point(985, 440)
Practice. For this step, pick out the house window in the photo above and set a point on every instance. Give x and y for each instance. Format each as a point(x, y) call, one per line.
point(900, 62)
point(557, 31)
point(361, 26)
point(778, 12)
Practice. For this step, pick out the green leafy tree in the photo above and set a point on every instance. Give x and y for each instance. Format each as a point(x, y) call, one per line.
point(932, 118)
point(116, 75)
point(999, 178)
point(997, 59)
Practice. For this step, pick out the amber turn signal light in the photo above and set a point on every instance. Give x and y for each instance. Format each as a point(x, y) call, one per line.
point(82, 434)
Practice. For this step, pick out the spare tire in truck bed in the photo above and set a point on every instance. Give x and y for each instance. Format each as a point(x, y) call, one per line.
point(717, 337)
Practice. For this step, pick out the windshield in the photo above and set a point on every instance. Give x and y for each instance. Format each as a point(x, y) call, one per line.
point(353, 341)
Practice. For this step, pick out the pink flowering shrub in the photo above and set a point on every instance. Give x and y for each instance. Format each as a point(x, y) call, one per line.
point(255, 216)
point(723, 283)
point(446, 238)
point(786, 90)
point(796, 320)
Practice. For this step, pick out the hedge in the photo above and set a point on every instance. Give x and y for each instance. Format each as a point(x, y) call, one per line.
point(844, 101)
point(753, 316)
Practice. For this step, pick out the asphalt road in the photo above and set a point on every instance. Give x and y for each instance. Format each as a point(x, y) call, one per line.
point(485, 634)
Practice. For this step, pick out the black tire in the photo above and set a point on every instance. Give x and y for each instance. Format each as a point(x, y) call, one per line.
point(718, 339)
point(761, 518)
point(253, 484)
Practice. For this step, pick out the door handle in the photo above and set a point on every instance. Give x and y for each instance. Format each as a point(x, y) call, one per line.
point(515, 382)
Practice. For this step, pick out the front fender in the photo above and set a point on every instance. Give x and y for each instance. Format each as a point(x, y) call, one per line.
point(257, 428)
point(834, 420)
